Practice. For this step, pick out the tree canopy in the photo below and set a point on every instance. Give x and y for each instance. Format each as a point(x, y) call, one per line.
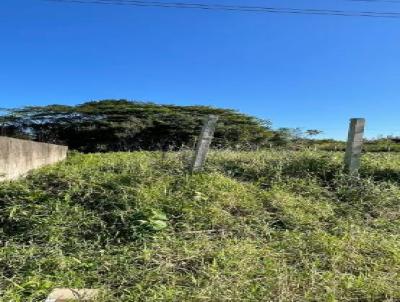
point(122, 125)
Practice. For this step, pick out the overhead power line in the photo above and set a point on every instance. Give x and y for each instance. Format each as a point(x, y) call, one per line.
point(239, 8)
point(376, 1)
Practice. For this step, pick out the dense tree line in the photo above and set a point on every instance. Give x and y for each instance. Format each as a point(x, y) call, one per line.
point(121, 125)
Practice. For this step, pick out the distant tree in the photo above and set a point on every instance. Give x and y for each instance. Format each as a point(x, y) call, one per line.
point(395, 139)
point(121, 125)
point(286, 136)
point(313, 132)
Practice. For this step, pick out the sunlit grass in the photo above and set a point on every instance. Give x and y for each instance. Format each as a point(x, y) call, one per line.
point(255, 226)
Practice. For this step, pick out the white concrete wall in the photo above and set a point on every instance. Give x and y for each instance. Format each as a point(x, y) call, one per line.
point(18, 156)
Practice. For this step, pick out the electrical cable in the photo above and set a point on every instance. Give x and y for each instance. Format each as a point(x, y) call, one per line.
point(240, 8)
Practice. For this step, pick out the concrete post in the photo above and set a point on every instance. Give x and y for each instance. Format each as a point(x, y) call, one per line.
point(354, 145)
point(203, 143)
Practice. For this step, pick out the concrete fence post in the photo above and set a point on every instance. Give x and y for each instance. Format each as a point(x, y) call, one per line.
point(203, 143)
point(354, 145)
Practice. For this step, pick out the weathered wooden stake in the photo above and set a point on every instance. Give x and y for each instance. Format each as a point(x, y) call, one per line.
point(354, 145)
point(203, 143)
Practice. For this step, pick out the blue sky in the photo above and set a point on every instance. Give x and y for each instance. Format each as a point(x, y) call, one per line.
point(296, 70)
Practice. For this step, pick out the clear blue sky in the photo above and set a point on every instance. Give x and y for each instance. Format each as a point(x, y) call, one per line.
point(296, 70)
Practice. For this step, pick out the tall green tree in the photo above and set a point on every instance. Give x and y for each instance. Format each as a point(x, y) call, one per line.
point(122, 125)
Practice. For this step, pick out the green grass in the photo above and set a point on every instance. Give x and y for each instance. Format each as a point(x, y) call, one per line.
point(255, 226)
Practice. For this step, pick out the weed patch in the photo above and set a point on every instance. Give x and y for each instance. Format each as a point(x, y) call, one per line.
point(255, 226)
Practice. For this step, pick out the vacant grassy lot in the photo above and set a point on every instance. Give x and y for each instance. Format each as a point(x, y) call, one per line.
point(264, 226)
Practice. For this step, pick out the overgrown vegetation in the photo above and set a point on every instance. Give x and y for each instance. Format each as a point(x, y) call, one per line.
point(121, 125)
point(388, 144)
point(255, 226)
